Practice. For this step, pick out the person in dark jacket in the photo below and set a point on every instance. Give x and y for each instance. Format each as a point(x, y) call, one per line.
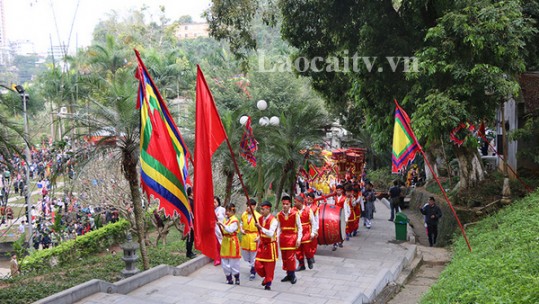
point(432, 215)
point(395, 198)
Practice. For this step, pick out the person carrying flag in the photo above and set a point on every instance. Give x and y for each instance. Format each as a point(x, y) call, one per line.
point(250, 236)
point(266, 252)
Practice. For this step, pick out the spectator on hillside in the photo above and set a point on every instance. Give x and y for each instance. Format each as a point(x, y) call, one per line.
point(22, 227)
point(9, 215)
point(14, 266)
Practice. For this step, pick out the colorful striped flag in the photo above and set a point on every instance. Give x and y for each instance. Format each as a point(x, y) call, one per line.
point(405, 144)
point(248, 144)
point(163, 153)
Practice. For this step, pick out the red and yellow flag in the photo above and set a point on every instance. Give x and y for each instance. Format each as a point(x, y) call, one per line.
point(163, 152)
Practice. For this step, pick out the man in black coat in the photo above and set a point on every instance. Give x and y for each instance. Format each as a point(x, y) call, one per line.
point(432, 214)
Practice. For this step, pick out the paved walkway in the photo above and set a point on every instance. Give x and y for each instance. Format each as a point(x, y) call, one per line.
point(356, 273)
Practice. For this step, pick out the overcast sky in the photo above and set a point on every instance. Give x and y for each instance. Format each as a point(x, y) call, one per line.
point(37, 20)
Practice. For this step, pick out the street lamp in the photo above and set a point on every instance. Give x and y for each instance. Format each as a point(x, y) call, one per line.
point(263, 121)
point(25, 97)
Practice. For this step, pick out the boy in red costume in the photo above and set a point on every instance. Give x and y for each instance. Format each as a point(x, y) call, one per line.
point(290, 233)
point(266, 253)
point(309, 233)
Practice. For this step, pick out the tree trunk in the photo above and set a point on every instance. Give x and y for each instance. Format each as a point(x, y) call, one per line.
point(129, 166)
point(431, 158)
point(228, 187)
point(470, 167)
point(293, 179)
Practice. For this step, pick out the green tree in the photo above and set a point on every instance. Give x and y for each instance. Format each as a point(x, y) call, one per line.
point(468, 67)
point(466, 45)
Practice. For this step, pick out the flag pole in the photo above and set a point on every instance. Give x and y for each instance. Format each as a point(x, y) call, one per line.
point(240, 178)
point(441, 187)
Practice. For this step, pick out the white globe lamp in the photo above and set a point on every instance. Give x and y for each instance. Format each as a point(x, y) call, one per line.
point(243, 120)
point(274, 121)
point(262, 105)
point(264, 121)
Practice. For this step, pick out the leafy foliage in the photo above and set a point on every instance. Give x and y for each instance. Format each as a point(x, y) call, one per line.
point(92, 242)
point(35, 285)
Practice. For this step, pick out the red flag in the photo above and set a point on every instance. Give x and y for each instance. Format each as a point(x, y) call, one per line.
point(209, 134)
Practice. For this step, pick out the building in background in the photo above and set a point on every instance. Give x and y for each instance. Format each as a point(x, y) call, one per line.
point(192, 31)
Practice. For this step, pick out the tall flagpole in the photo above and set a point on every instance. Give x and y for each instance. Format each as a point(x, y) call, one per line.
point(240, 177)
point(440, 185)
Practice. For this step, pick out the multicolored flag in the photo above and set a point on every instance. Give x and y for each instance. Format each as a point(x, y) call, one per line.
point(209, 134)
point(405, 145)
point(248, 144)
point(163, 153)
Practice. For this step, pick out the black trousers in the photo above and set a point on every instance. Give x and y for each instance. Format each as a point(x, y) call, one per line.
point(432, 233)
point(189, 242)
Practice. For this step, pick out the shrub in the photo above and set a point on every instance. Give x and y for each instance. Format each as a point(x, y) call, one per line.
point(92, 242)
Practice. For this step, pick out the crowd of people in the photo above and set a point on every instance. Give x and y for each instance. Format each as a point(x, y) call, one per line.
point(54, 218)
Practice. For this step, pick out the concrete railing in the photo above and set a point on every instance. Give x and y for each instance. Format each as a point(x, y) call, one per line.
point(79, 292)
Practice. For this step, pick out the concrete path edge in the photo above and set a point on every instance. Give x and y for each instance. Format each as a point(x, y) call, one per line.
point(124, 286)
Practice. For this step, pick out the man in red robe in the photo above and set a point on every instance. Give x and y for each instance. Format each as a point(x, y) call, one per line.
point(290, 233)
point(266, 253)
point(309, 233)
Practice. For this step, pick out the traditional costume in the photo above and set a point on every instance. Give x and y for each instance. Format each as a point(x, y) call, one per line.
point(266, 253)
point(248, 240)
point(290, 231)
point(230, 249)
point(309, 233)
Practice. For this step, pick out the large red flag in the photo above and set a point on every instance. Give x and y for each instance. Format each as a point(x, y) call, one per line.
point(209, 134)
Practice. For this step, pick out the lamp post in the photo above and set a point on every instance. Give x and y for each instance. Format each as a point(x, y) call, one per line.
point(264, 121)
point(24, 97)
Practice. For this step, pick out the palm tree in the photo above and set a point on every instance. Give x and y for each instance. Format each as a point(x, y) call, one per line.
point(115, 117)
point(300, 128)
point(11, 133)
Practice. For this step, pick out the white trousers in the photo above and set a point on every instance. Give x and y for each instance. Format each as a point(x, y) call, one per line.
point(249, 257)
point(230, 266)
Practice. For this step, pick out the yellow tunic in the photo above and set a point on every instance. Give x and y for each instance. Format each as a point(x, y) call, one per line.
point(230, 247)
point(248, 239)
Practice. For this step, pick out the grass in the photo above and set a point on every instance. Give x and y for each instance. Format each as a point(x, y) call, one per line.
point(502, 268)
point(33, 286)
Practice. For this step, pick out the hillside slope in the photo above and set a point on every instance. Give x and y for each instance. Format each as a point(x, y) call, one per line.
point(503, 265)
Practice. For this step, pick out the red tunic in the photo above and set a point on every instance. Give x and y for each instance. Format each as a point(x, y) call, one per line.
point(267, 247)
point(289, 230)
point(339, 200)
point(305, 219)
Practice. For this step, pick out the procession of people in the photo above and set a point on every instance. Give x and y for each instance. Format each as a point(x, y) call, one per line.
point(291, 234)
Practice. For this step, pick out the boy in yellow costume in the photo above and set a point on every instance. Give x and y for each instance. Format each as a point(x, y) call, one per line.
point(230, 246)
point(250, 235)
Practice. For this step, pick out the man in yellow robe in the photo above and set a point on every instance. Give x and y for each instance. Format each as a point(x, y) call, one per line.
point(250, 235)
